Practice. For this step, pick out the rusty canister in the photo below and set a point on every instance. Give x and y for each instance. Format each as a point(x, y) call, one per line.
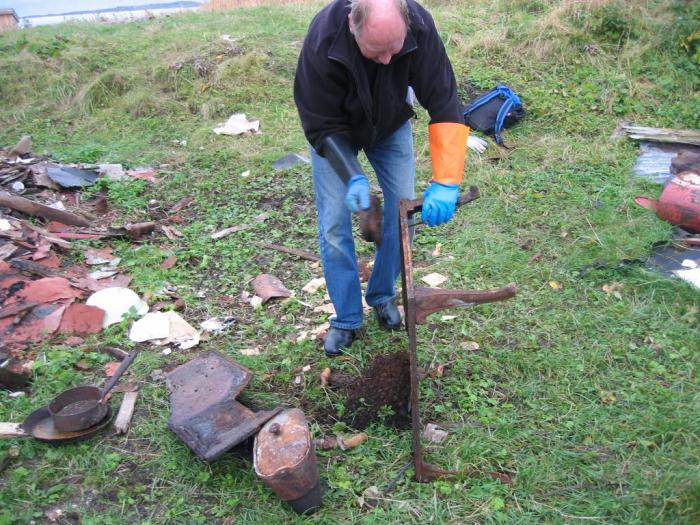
point(285, 459)
point(679, 202)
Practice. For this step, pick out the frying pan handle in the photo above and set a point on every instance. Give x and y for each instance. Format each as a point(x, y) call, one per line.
point(117, 375)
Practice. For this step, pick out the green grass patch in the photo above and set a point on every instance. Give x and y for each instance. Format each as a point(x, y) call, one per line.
point(580, 405)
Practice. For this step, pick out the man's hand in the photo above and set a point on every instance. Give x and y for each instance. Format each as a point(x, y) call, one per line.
point(439, 203)
point(357, 196)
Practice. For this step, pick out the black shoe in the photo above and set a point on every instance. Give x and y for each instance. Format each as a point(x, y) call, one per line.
point(337, 339)
point(388, 315)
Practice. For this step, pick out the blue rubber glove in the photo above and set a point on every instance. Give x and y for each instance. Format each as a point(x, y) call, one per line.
point(357, 196)
point(439, 203)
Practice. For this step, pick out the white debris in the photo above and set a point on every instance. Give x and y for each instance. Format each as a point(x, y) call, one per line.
point(689, 263)
point(256, 302)
point(153, 325)
point(313, 285)
point(217, 325)
point(448, 317)
point(112, 171)
point(325, 308)
point(434, 279)
point(167, 351)
point(691, 276)
point(245, 174)
point(5, 225)
point(236, 125)
point(434, 433)
point(250, 351)
point(181, 333)
point(58, 205)
point(116, 302)
point(102, 274)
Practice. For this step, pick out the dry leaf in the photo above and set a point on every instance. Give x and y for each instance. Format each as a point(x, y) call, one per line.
point(436, 251)
point(269, 287)
point(470, 345)
point(325, 308)
point(434, 279)
point(554, 285)
point(325, 376)
point(434, 433)
point(611, 288)
point(607, 397)
point(313, 285)
point(111, 368)
point(250, 351)
point(352, 441)
point(169, 262)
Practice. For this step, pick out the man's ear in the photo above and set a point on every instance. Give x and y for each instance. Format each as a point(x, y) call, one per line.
point(351, 25)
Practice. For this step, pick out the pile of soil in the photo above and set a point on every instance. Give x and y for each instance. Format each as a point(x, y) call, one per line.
point(386, 381)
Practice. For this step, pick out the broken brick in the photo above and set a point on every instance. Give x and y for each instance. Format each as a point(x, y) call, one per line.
point(82, 319)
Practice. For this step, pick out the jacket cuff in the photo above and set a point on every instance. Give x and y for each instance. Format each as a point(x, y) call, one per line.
point(448, 148)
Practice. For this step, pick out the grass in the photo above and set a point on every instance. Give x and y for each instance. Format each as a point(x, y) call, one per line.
point(586, 400)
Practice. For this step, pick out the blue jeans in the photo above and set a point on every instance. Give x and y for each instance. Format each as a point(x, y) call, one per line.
point(395, 166)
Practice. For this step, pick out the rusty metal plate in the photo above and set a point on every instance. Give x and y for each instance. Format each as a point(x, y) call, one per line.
point(203, 409)
point(220, 428)
point(201, 383)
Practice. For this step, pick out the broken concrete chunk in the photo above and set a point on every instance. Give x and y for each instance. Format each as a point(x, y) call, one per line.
point(112, 171)
point(434, 279)
point(313, 285)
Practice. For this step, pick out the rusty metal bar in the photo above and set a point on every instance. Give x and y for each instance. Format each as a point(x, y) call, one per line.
point(418, 304)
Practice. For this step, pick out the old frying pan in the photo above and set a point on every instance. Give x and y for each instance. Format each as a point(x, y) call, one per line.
point(84, 406)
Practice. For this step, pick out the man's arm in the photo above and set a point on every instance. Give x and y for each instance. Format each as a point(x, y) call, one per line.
point(319, 91)
point(435, 86)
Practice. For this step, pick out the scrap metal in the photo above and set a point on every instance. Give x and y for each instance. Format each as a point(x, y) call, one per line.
point(203, 410)
point(418, 304)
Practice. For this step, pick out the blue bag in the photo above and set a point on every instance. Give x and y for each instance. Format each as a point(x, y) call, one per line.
point(494, 110)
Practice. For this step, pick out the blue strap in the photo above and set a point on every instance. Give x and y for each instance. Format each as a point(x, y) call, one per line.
point(481, 101)
point(501, 119)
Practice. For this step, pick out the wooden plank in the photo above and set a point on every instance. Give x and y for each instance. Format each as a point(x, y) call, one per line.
point(126, 411)
point(676, 136)
point(36, 209)
point(10, 430)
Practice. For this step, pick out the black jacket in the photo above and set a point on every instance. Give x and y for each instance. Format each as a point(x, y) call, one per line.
point(332, 91)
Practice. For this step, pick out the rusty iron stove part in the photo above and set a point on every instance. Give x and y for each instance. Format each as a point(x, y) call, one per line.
point(371, 221)
point(418, 304)
point(285, 459)
point(203, 409)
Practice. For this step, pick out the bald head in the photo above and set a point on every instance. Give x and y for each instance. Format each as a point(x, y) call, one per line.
point(379, 27)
